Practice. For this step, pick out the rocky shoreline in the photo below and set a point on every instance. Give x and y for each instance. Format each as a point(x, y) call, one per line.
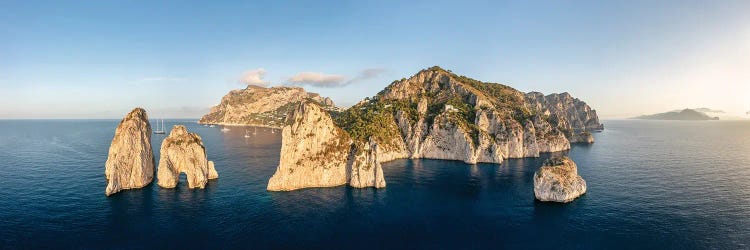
point(435, 114)
point(243, 125)
point(260, 106)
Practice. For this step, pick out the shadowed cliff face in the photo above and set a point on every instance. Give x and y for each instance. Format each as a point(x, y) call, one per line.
point(572, 113)
point(130, 162)
point(434, 114)
point(260, 106)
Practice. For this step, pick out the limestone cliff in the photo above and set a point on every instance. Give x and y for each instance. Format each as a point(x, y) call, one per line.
point(573, 113)
point(558, 180)
point(130, 162)
point(434, 114)
point(572, 116)
point(364, 167)
point(183, 152)
point(259, 106)
point(317, 153)
point(439, 115)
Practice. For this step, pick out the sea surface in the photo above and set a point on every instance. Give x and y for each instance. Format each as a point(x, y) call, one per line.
point(651, 185)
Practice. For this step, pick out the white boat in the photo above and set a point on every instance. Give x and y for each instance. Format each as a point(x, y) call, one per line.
point(273, 131)
point(224, 129)
point(211, 126)
point(160, 131)
point(246, 134)
point(256, 131)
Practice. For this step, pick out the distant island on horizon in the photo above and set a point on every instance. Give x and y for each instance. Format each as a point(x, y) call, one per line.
point(681, 115)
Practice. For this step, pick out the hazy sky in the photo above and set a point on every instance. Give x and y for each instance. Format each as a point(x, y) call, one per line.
point(99, 59)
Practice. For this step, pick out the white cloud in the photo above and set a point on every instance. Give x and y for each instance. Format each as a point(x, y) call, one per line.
point(366, 74)
point(317, 79)
point(254, 77)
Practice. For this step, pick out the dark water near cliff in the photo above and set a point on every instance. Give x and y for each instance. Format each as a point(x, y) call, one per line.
point(652, 184)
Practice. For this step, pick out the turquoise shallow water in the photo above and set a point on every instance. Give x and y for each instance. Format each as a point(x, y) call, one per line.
point(652, 184)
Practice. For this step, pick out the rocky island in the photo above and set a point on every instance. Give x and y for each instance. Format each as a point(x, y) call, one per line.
point(130, 162)
point(685, 115)
point(434, 114)
point(260, 106)
point(183, 152)
point(317, 153)
point(558, 181)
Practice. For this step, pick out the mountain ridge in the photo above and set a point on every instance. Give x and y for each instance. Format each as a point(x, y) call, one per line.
point(684, 115)
point(261, 106)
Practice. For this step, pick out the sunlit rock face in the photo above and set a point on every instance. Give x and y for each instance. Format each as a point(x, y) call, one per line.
point(364, 167)
point(259, 106)
point(183, 152)
point(571, 115)
point(130, 162)
point(440, 115)
point(582, 137)
point(434, 114)
point(558, 181)
point(317, 153)
point(313, 151)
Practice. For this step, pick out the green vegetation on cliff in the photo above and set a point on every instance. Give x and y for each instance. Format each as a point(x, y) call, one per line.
point(375, 118)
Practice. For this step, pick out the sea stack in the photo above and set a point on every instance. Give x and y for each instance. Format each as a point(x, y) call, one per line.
point(558, 181)
point(313, 151)
point(365, 169)
point(183, 152)
point(317, 153)
point(130, 162)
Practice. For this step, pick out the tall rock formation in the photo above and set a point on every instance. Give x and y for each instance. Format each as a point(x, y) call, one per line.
point(364, 167)
point(183, 152)
point(130, 162)
point(317, 153)
point(434, 114)
point(558, 180)
point(259, 106)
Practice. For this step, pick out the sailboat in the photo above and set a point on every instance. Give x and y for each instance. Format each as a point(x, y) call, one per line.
point(256, 131)
point(224, 129)
point(159, 131)
point(246, 134)
point(273, 131)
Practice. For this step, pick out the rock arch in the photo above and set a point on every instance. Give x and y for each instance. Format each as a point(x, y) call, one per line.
point(183, 152)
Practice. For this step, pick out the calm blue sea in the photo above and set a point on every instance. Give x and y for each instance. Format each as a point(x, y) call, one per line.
point(651, 184)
